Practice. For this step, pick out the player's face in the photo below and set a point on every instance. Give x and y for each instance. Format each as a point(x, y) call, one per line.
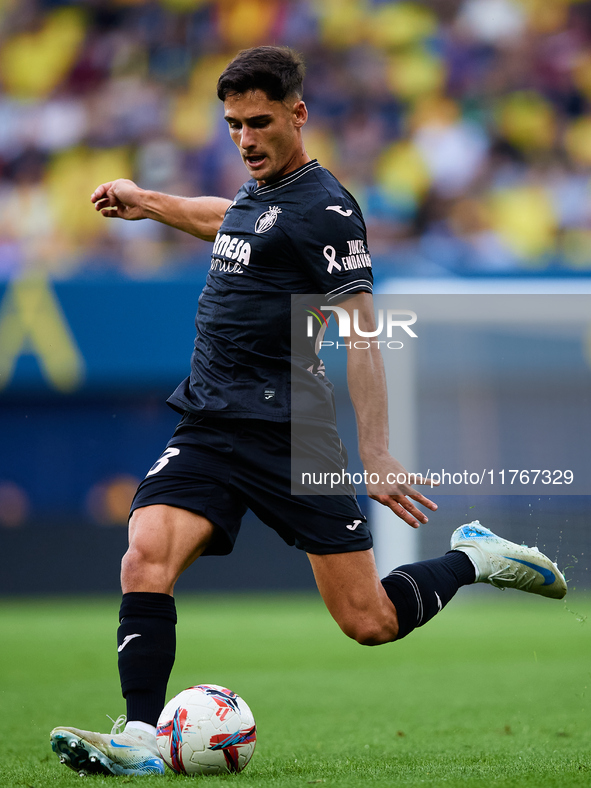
point(267, 133)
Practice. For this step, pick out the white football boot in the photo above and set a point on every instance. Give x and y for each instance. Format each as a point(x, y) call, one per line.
point(129, 751)
point(505, 564)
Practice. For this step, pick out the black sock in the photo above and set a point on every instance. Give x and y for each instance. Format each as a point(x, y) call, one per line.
point(146, 641)
point(419, 591)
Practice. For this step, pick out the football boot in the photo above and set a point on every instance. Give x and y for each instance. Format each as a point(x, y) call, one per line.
point(123, 751)
point(505, 564)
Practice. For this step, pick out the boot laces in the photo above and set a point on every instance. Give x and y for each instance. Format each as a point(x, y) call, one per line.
point(118, 724)
point(507, 576)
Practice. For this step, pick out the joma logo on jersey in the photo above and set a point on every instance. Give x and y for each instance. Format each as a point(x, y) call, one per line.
point(225, 246)
point(267, 220)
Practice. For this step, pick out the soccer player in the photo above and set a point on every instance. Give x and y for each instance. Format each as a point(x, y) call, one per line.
point(292, 229)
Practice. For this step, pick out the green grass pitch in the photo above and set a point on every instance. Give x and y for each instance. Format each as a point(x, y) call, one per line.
point(495, 691)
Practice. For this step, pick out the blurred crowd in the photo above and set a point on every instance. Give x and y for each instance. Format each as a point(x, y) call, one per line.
point(463, 127)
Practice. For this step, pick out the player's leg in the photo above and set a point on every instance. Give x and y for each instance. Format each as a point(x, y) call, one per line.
point(175, 508)
point(350, 587)
point(182, 508)
point(164, 541)
point(373, 611)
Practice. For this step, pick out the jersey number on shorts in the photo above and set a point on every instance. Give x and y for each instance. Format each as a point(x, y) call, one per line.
point(159, 464)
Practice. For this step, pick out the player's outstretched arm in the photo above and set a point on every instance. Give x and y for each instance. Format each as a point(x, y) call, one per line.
point(367, 387)
point(198, 216)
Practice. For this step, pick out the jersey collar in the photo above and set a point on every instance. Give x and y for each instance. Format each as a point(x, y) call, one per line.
point(289, 178)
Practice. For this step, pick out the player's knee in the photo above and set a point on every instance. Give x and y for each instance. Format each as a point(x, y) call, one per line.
point(372, 633)
point(139, 571)
point(132, 565)
point(136, 559)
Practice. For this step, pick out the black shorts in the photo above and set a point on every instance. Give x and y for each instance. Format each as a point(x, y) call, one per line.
point(219, 468)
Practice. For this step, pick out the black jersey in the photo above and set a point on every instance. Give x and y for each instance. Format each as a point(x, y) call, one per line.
point(301, 234)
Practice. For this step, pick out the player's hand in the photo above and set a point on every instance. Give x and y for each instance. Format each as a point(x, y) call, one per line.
point(120, 199)
point(396, 492)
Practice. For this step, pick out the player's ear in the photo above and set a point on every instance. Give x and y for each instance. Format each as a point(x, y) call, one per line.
point(300, 113)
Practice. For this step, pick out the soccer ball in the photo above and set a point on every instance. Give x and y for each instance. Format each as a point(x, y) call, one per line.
point(206, 730)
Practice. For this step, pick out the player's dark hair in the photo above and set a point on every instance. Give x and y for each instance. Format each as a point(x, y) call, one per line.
point(278, 71)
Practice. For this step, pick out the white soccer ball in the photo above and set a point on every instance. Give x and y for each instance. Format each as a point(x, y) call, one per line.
point(206, 730)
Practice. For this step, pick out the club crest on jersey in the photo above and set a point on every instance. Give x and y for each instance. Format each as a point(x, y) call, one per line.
point(267, 220)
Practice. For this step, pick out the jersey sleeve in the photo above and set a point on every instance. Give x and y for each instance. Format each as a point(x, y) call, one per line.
point(332, 242)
